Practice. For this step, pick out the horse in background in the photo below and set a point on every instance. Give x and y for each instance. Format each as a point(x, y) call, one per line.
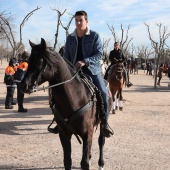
point(134, 67)
point(116, 82)
point(78, 107)
point(128, 65)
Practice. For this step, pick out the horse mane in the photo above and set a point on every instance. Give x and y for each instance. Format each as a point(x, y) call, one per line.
point(52, 58)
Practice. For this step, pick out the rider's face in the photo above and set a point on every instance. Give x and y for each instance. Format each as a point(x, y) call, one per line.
point(116, 46)
point(81, 22)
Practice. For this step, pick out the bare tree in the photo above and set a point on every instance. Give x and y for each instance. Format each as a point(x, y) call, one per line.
point(105, 44)
point(26, 19)
point(6, 27)
point(68, 25)
point(59, 13)
point(124, 39)
point(158, 46)
point(7, 31)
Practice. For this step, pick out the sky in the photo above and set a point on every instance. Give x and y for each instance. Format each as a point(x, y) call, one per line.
point(42, 24)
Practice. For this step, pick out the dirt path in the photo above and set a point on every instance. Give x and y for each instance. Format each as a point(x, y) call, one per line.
point(141, 140)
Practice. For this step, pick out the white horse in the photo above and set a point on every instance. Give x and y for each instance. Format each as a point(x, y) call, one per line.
point(103, 66)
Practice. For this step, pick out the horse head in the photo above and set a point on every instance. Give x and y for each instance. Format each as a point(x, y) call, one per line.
point(119, 67)
point(40, 67)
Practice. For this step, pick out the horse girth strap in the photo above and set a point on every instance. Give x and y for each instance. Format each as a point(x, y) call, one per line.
point(80, 112)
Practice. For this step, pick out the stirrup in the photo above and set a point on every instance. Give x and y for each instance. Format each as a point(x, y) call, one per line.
point(53, 130)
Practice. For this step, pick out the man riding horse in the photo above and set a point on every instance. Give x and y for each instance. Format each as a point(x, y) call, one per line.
point(118, 55)
point(81, 55)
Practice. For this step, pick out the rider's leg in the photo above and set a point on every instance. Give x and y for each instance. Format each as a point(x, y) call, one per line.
point(100, 84)
point(158, 83)
point(128, 83)
point(107, 71)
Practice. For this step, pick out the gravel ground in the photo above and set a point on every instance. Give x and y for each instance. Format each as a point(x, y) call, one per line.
point(141, 140)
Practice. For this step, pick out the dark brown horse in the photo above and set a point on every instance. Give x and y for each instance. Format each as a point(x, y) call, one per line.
point(116, 82)
point(77, 107)
point(134, 67)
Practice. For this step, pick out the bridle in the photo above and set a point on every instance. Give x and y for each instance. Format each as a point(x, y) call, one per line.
point(119, 70)
point(35, 85)
point(57, 84)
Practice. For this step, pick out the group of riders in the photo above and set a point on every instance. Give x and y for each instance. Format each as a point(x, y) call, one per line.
point(16, 70)
point(78, 55)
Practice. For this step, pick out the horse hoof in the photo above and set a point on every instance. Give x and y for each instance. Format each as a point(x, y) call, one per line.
point(101, 168)
point(120, 108)
point(116, 108)
point(113, 112)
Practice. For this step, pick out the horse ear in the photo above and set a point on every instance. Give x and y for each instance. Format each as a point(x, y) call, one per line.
point(31, 44)
point(43, 44)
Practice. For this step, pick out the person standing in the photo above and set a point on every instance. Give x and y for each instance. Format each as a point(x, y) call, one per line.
point(147, 68)
point(10, 84)
point(19, 75)
point(150, 68)
point(160, 73)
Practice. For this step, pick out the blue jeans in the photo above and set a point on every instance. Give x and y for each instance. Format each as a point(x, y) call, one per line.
point(100, 84)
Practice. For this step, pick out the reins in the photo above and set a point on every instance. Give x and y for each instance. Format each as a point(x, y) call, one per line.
point(58, 84)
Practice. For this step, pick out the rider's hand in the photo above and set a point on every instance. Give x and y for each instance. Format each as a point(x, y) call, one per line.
point(80, 64)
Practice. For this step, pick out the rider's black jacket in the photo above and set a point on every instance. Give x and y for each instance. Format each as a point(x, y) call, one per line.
point(118, 54)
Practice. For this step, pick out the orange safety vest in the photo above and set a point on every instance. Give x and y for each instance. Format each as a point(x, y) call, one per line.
point(23, 66)
point(10, 70)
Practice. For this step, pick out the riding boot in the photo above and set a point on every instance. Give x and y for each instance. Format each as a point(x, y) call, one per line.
point(126, 76)
point(158, 83)
point(107, 131)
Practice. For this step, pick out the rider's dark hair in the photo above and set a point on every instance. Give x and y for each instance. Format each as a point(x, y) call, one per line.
point(79, 13)
point(116, 43)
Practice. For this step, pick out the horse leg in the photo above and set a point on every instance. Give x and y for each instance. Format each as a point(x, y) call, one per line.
point(87, 143)
point(101, 142)
point(121, 100)
point(130, 71)
point(117, 101)
point(114, 103)
point(66, 144)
